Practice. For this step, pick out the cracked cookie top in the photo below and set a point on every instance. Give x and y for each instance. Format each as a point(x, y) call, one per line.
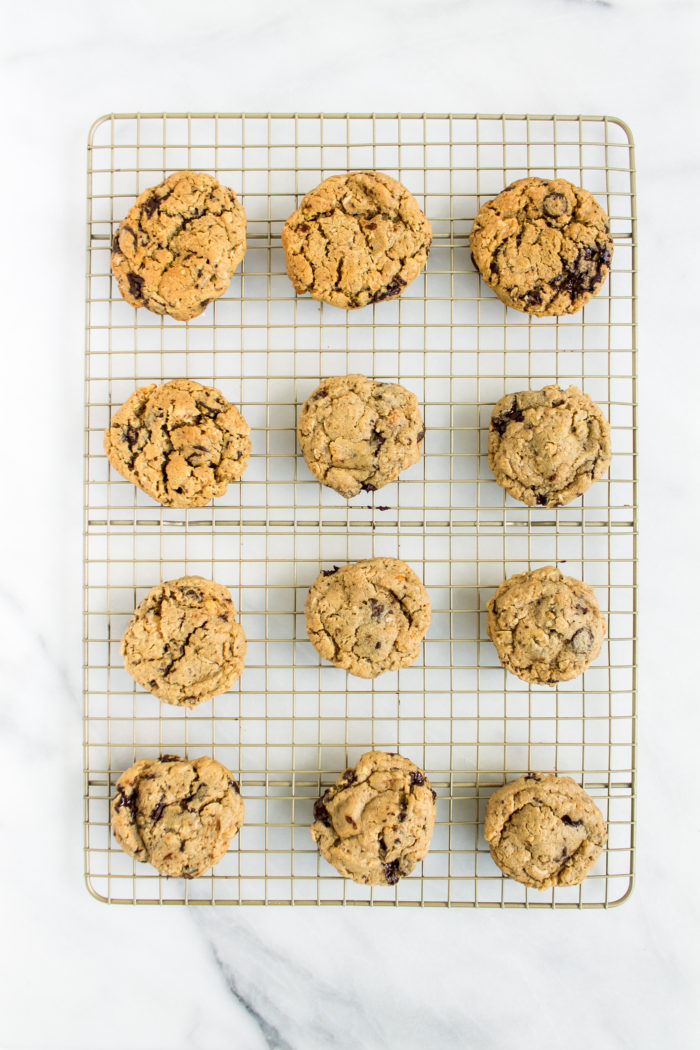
point(179, 245)
point(356, 239)
point(376, 822)
point(546, 627)
point(368, 616)
point(544, 830)
point(181, 442)
point(358, 434)
point(547, 447)
point(177, 815)
point(543, 246)
point(183, 643)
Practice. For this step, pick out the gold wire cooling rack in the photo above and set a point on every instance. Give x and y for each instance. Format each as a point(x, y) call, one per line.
point(291, 723)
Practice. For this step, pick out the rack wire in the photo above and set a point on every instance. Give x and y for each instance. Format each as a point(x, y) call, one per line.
point(292, 723)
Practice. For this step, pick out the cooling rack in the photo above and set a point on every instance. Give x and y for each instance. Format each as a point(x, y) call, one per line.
point(292, 723)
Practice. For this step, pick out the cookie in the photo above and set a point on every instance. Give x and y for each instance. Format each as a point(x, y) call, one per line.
point(183, 643)
point(543, 246)
point(181, 442)
point(368, 616)
point(356, 239)
point(544, 830)
point(546, 627)
point(177, 815)
point(376, 822)
point(179, 245)
point(547, 447)
point(358, 434)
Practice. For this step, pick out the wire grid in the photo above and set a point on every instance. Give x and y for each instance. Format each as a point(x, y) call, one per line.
point(292, 723)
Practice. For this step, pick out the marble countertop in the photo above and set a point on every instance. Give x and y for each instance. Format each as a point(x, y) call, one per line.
point(77, 974)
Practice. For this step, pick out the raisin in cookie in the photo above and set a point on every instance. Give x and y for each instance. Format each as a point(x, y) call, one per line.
point(356, 239)
point(543, 246)
point(183, 643)
point(359, 434)
point(544, 830)
point(179, 245)
point(547, 447)
point(177, 815)
point(546, 627)
point(368, 616)
point(376, 822)
point(181, 442)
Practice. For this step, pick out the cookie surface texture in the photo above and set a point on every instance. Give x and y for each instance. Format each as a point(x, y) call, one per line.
point(358, 434)
point(368, 616)
point(183, 643)
point(179, 245)
point(177, 815)
point(375, 823)
point(547, 447)
point(356, 239)
point(181, 442)
point(543, 246)
point(544, 830)
point(546, 627)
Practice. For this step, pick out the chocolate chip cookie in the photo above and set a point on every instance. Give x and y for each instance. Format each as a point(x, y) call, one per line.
point(546, 627)
point(179, 245)
point(544, 830)
point(183, 643)
point(547, 447)
point(376, 822)
point(358, 434)
point(368, 616)
point(356, 239)
point(181, 442)
point(543, 246)
point(177, 815)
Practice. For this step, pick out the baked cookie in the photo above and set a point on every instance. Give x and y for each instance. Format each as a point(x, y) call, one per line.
point(181, 442)
point(356, 239)
point(179, 245)
point(547, 447)
point(183, 643)
point(544, 830)
point(179, 816)
point(376, 822)
point(543, 246)
point(546, 627)
point(358, 434)
point(368, 616)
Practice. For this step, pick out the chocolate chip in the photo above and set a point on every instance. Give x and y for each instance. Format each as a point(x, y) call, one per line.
point(581, 608)
point(329, 572)
point(234, 784)
point(380, 508)
point(378, 645)
point(350, 820)
point(531, 776)
point(130, 801)
point(555, 205)
point(200, 448)
point(205, 302)
point(377, 609)
point(513, 415)
point(391, 872)
point(349, 777)
point(150, 205)
point(304, 227)
point(368, 488)
point(421, 436)
point(371, 226)
point(392, 289)
point(115, 242)
point(416, 777)
point(157, 810)
point(533, 297)
point(321, 813)
point(192, 592)
point(135, 285)
point(376, 440)
point(582, 641)
point(433, 793)
point(584, 274)
point(541, 499)
point(130, 435)
point(403, 813)
point(318, 395)
point(571, 823)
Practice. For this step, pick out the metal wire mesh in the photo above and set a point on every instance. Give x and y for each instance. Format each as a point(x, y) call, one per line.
point(291, 723)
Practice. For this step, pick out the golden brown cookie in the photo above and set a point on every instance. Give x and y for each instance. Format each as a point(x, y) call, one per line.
point(177, 815)
point(356, 239)
point(181, 442)
point(179, 245)
point(543, 246)
point(368, 616)
point(546, 627)
point(358, 434)
point(183, 643)
point(544, 830)
point(547, 447)
point(376, 822)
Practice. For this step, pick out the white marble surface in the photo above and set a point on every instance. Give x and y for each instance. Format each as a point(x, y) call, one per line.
point(77, 974)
